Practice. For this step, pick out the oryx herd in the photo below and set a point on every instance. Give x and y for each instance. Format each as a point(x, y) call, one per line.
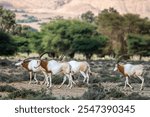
point(70, 68)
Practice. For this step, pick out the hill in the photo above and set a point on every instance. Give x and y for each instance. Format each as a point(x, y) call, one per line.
point(44, 10)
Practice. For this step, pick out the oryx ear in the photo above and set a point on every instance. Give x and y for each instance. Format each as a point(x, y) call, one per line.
point(61, 57)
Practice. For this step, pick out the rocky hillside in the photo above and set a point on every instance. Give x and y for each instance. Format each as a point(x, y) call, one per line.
point(45, 9)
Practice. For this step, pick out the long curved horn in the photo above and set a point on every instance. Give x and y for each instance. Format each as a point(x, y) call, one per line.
point(61, 57)
point(43, 54)
point(120, 57)
point(27, 59)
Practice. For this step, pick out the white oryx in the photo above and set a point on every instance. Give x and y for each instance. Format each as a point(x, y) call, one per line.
point(31, 66)
point(81, 67)
point(129, 70)
point(53, 67)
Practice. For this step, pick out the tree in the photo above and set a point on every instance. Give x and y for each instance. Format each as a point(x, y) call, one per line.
point(25, 38)
point(7, 20)
point(88, 47)
point(110, 23)
point(7, 46)
point(139, 45)
point(88, 16)
point(117, 27)
point(64, 36)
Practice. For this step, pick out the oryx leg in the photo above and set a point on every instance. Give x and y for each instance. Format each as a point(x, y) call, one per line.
point(70, 81)
point(127, 81)
point(30, 75)
point(125, 84)
point(35, 78)
point(84, 75)
point(64, 80)
point(45, 81)
point(50, 80)
point(142, 79)
point(87, 75)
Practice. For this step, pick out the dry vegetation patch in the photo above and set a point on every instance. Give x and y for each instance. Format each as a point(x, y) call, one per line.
point(106, 84)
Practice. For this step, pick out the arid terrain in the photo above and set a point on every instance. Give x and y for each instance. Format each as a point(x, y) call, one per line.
point(108, 83)
point(46, 10)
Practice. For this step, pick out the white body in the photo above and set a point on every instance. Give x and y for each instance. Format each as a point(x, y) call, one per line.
point(131, 70)
point(82, 68)
point(33, 65)
point(32, 68)
point(56, 68)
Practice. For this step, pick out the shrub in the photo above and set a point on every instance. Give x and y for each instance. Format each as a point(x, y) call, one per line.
point(30, 95)
point(7, 88)
point(116, 93)
point(95, 92)
point(5, 62)
point(136, 96)
point(58, 79)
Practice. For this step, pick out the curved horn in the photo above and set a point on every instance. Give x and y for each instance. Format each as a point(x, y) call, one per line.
point(61, 57)
point(43, 54)
point(29, 58)
point(120, 57)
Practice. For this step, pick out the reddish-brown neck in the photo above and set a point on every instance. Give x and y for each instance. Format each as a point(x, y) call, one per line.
point(44, 65)
point(121, 69)
point(25, 65)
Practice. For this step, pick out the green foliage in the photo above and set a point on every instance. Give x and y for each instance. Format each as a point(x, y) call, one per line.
point(71, 36)
point(7, 45)
point(22, 44)
point(90, 46)
point(88, 16)
point(139, 45)
point(7, 20)
point(110, 23)
point(25, 38)
point(117, 27)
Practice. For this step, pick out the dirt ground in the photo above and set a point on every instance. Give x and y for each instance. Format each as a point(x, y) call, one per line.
point(19, 78)
point(76, 91)
point(64, 91)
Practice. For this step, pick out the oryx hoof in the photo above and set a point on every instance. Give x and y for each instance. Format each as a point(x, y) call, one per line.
point(141, 89)
point(38, 83)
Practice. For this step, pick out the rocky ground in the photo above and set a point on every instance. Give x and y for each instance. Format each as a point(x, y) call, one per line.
point(18, 78)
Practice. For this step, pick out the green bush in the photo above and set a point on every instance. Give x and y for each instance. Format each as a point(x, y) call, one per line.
point(7, 46)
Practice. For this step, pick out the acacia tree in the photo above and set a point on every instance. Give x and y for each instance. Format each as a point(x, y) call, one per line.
point(110, 23)
point(117, 27)
point(71, 36)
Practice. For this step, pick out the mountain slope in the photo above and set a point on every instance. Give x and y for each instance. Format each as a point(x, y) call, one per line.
point(45, 9)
